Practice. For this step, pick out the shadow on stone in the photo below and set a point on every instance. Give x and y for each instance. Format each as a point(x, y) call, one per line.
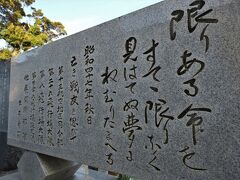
point(9, 156)
point(42, 167)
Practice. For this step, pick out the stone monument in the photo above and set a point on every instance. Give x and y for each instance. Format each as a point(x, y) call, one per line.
point(9, 156)
point(154, 94)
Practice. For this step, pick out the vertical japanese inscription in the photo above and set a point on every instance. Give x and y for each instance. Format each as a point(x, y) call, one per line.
point(41, 97)
point(50, 106)
point(74, 102)
point(109, 125)
point(89, 61)
point(156, 109)
point(131, 123)
point(109, 76)
point(194, 18)
point(22, 119)
point(60, 106)
point(41, 109)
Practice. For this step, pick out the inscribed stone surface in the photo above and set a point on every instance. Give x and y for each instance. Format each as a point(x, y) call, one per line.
point(154, 94)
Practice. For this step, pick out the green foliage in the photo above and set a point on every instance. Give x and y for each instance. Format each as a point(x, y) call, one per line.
point(5, 54)
point(21, 35)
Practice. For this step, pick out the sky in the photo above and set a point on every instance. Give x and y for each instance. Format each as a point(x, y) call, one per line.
point(77, 15)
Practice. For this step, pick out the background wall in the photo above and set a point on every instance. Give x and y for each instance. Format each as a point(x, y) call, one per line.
point(8, 155)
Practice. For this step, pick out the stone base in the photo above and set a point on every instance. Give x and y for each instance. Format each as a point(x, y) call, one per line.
point(33, 166)
point(82, 174)
point(9, 156)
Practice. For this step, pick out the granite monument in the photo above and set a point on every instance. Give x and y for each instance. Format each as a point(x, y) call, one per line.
point(154, 94)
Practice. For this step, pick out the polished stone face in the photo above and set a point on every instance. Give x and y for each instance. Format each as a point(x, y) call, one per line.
point(154, 94)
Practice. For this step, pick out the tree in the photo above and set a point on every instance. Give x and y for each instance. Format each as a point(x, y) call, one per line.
point(23, 31)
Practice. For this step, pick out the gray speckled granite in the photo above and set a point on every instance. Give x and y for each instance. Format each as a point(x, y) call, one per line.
point(4, 93)
point(82, 174)
point(201, 142)
point(42, 167)
point(9, 156)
